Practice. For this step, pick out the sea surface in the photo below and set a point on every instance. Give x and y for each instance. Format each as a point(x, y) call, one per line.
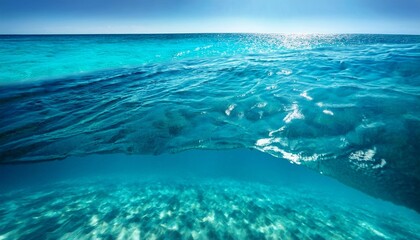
point(210, 136)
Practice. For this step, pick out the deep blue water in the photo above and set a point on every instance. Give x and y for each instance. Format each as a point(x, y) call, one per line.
point(144, 126)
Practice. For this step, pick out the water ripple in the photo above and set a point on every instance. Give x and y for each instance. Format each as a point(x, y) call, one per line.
point(318, 107)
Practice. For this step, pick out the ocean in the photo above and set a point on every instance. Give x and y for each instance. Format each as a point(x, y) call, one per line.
point(210, 136)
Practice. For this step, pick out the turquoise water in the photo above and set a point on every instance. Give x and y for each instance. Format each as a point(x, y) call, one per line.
point(231, 194)
point(298, 109)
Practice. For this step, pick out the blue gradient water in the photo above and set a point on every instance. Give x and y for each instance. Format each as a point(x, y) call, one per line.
point(345, 106)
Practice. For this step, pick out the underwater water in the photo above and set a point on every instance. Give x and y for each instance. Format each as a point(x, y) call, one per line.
point(210, 136)
point(230, 194)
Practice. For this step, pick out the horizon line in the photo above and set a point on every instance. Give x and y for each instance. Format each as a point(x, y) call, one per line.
point(180, 33)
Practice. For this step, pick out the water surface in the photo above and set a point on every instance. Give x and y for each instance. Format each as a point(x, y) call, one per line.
point(346, 106)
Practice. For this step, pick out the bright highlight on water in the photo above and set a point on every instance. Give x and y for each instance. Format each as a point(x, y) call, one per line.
point(345, 106)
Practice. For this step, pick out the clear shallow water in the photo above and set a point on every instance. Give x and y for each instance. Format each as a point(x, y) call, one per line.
point(345, 106)
point(236, 194)
point(37, 57)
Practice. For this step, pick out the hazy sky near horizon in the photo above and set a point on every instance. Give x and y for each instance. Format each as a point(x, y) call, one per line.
point(155, 16)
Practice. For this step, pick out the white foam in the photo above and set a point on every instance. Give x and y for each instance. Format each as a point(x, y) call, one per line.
point(363, 155)
point(276, 131)
point(305, 95)
point(266, 141)
point(380, 165)
point(285, 72)
point(295, 114)
point(328, 112)
point(229, 109)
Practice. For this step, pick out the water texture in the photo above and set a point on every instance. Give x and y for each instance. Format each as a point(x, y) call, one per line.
point(344, 105)
point(189, 209)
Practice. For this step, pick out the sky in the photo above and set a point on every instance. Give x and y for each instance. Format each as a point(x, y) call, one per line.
point(184, 16)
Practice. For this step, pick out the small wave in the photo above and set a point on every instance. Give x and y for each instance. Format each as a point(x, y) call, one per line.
point(231, 102)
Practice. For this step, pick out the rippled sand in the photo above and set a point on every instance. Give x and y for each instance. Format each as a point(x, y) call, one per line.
point(190, 209)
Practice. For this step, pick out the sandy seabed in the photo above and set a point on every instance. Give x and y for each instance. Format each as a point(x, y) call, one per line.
point(189, 209)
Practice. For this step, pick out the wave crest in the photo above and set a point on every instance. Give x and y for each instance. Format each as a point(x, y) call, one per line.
point(320, 115)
